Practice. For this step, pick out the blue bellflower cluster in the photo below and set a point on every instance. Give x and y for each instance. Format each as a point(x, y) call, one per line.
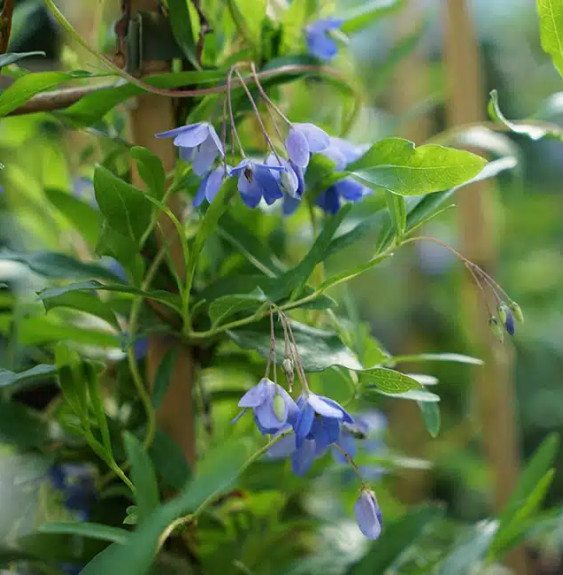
point(307, 428)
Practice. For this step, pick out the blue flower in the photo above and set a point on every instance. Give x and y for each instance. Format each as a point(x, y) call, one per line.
point(319, 418)
point(319, 40)
point(509, 322)
point(77, 484)
point(368, 515)
point(198, 144)
point(256, 181)
point(273, 406)
point(210, 185)
point(303, 140)
point(342, 153)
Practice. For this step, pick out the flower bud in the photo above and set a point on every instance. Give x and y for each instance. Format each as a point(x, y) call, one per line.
point(502, 312)
point(279, 407)
point(496, 328)
point(368, 515)
point(509, 323)
point(288, 369)
point(517, 311)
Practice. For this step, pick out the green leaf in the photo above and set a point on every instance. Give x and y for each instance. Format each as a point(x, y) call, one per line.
point(363, 227)
point(398, 210)
point(182, 29)
point(395, 539)
point(371, 392)
point(125, 207)
point(169, 461)
point(85, 302)
point(125, 250)
point(69, 371)
point(90, 530)
point(82, 216)
point(169, 299)
point(90, 377)
point(550, 14)
point(396, 165)
point(455, 357)
point(216, 472)
point(431, 416)
point(22, 427)
point(150, 169)
point(58, 266)
point(144, 478)
point(388, 380)
point(226, 306)
point(13, 57)
point(25, 379)
point(319, 349)
point(528, 128)
point(368, 13)
point(163, 377)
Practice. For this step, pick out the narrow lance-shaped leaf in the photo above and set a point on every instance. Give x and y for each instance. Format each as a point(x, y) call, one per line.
point(150, 169)
point(182, 29)
point(13, 57)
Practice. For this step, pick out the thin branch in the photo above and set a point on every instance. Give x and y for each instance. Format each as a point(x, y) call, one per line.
point(6, 25)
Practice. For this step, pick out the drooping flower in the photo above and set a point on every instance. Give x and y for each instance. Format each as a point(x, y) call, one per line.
point(256, 181)
point(198, 143)
point(291, 182)
point(273, 406)
point(303, 140)
point(319, 41)
point(210, 185)
point(368, 515)
point(319, 418)
point(342, 153)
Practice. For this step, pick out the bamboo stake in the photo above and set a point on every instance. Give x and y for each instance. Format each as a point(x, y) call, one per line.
point(152, 114)
point(492, 384)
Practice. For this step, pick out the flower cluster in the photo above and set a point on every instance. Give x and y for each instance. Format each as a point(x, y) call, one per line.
point(278, 176)
point(307, 428)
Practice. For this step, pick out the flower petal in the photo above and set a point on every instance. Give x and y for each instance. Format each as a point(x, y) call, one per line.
point(297, 147)
point(368, 515)
point(303, 423)
point(303, 457)
point(256, 395)
point(350, 190)
point(325, 430)
point(284, 447)
point(317, 139)
point(250, 192)
point(176, 131)
point(345, 415)
point(348, 443)
point(200, 195)
point(322, 407)
point(204, 157)
point(216, 140)
point(214, 183)
point(268, 183)
point(329, 201)
point(192, 136)
point(235, 419)
point(290, 205)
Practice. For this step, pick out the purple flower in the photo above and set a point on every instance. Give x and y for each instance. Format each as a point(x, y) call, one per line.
point(509, 322)
point(210, 185)
point(256, 181)
point(273, 406)
point(368, 515)
point(319, 41)
point(198, 144)
point(303, 140)
point(303, 457)
point(319, 418)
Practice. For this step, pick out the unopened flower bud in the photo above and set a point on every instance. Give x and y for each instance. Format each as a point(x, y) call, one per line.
point(509, 323)
point(288, 369)
point(496, 328)
point(279, 407)
point(503, 312)
point(517, 311)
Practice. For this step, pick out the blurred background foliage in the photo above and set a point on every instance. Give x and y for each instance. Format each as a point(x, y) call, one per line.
point(410, 303)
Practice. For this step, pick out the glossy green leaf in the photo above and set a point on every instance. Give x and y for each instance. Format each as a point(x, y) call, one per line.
point(454, 357)
point(163, 377)
point(396, 165)
point(398, 210)
point(182, 29)
point(82, 216)
point(550, 14)
point(370, 392)
point(431, 416)
point(59, 266)
point(82, 301)
point(124, 206)
point(150, 169)
point(388, 380)
point(529, 128)
point(89, 530)
point(13, 57)
point(144, 478)
point(125, 250)
point(70, 377)
point(368, 13)
point(169, 461)
point(226, 306)
point(28, 378)
point(394, 539)
point(319, 349)
point(363, 227)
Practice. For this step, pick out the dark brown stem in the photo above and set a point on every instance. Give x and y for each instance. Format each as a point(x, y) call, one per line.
point(6, 25)
point(54, 100)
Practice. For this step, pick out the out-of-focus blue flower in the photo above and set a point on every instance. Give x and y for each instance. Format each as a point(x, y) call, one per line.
point(273, 407)
point(198, 143)
point(368, 515)
point(210, 185)
point(76, 482)
point(342, 153)
point(256, 181)
point(303, 140)
point(303, 456)
point(115, 267)
point(83, 189)
point(319, 41)
point(141, 347)
point(319, 418)
point(365, 424)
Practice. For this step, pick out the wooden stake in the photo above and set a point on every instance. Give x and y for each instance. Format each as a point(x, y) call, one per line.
point(152, 114)
point(492, 383)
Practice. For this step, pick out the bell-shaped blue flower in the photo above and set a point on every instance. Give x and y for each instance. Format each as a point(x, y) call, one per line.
point(210, 185)
point(273, 406)
point(319, 418)
point(303, 140)
point(303, 456)
point(256, 181)
point(319, 41)
point(361, 432)
point(368, 515)
point(198, 143)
